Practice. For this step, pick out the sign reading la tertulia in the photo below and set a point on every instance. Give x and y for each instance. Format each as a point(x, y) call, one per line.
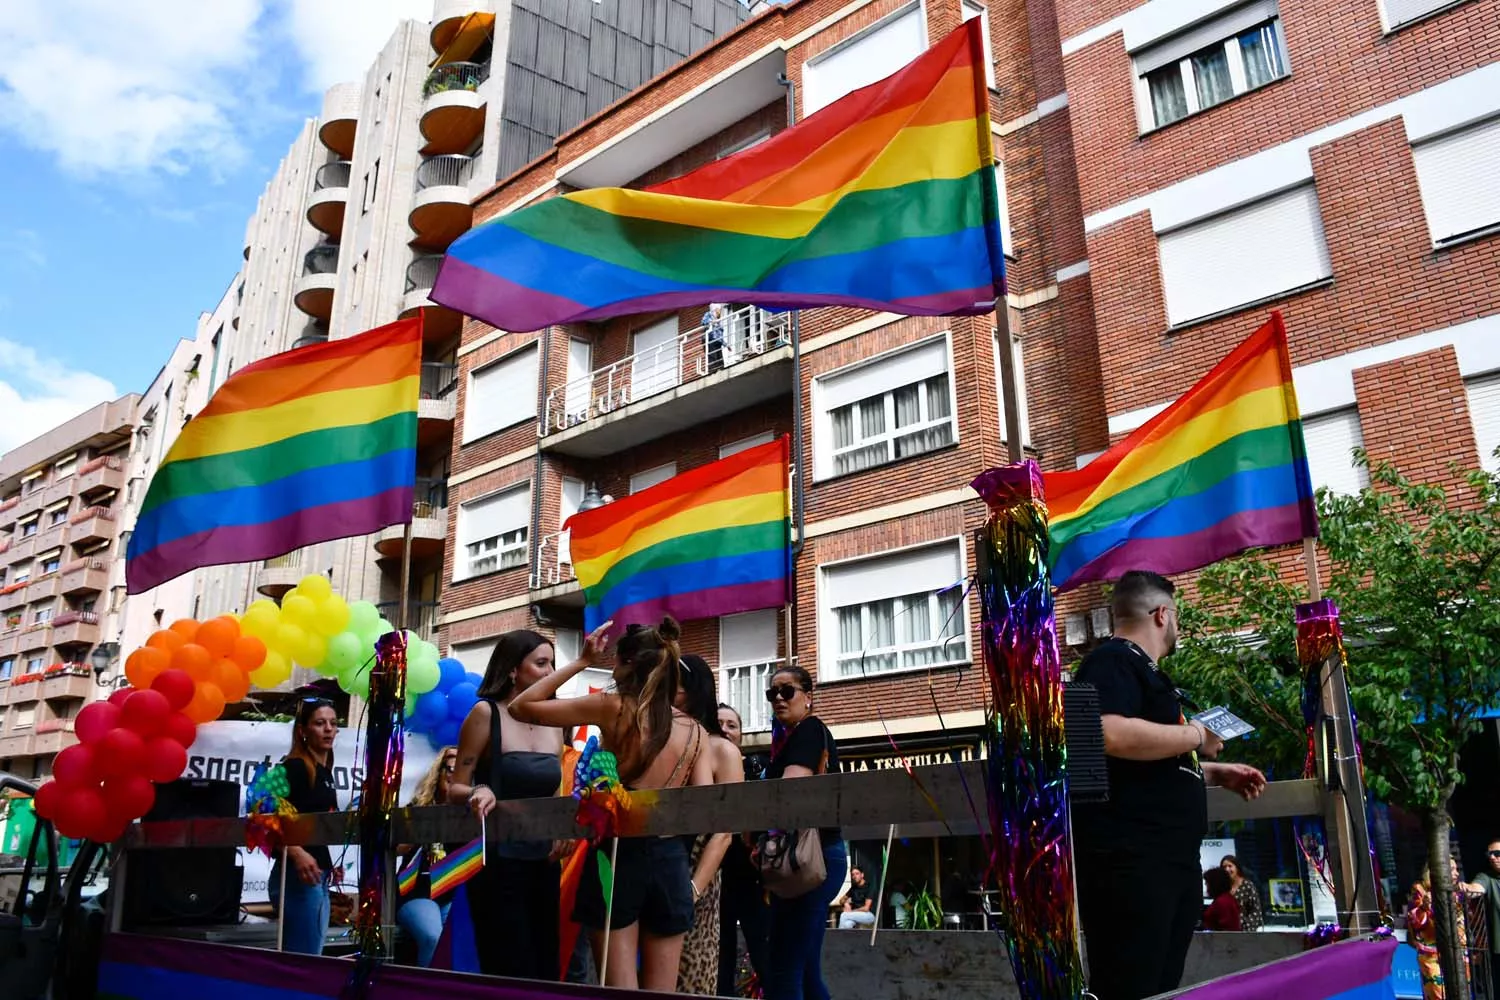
point(916, 758)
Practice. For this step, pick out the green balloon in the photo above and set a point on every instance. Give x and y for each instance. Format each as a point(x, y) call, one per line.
point(356, 681)
point(422, 675)
point(344, 652)
point(362, 616)
point(383, 627)
point(411, 700)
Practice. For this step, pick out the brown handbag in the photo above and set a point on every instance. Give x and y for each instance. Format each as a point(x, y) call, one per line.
point(791, 861)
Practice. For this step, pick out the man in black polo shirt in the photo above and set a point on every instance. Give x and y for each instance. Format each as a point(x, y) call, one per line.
point(1140, 891)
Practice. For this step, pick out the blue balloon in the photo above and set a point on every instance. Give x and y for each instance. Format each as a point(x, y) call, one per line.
point(450, 672)
point(431, 710)
point(460, 700)
point(445, 735)
point(474, 679)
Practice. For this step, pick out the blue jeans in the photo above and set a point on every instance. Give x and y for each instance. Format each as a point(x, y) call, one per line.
point(797, 929)
point(423, 920)
point(304, 911)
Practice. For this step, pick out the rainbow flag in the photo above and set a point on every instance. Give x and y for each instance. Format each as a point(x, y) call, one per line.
point(712, 541)
point(885, 199)
point(456, 868)
point(1220, 471)
point(303, 447)
point(406, 878)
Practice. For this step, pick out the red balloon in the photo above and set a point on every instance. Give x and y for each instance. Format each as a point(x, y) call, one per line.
point(119, 752)
point(109, 831)
point(76, 767)
point(145, 712)
point(47, 797)
point(130, 797)
point(118, 698)
point(95, 720)
point(177, 687)
point(80, 813)
point(181, 730)
point(164, 759)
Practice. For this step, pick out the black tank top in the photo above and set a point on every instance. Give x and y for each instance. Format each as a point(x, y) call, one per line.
point(517, 774)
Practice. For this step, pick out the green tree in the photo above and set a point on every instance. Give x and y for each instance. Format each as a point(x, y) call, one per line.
point(1416, 576)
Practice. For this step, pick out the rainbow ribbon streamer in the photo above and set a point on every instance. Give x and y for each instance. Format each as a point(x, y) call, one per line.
point(267, 810)
point(406, 878)
point(1026, 786)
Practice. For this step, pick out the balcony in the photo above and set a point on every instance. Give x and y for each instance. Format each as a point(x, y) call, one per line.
point(552, 578)
point(744, 686)
point(330, 196)
point(52, 740)
point(429, 524)
point(452, 108)
point(13, 595)
point(340, 119)
point(8, 640)
point(72, 682)
point(21, 546)
point(436, 407)
point(43, 586)
point(314, 291)
point(448, 17)
point(75, 628)
point(58, 489)
point(311, 337)
point(439, 323)
point(34, 637)
point(442, 211)
point(744, 359)
point(83, 576)
point(99, 475)
point(16, 746)
point(91, 524)
point(277, 576)
point(421, 616)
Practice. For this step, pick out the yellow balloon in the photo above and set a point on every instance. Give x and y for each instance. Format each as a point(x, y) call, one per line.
point(260, 620)
point(287, 639)
point(332, 616)
point(312, 651)
point(298, 609)
point(275, 670)
point(315, 587)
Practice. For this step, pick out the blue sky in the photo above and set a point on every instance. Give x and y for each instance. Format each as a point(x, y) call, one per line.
point(134, 140)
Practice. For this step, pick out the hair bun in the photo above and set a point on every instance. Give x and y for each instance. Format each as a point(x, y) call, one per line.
point(669, 629)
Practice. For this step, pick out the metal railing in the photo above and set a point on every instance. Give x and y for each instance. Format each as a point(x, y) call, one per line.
point(292, 560)
point(744, 686)
point(333, 175)
point(438, 379)
point(729, 339)
point(321, 259)
point(88, 513)
point(421, 273)
point(421, 616)
point(81, 564)
point(455, 76)
point(102, 462)
point(75, 618)
point(308, 339)
point(554, 562)
point(448, 170)
point(430, 498)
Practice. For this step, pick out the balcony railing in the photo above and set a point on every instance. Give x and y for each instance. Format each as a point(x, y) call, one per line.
point(554, 562)
point(449, 170)
point(292, 560)
point(743, 333)
point(456, 76)
point(421, 273)
point(75, 617)
point(308, 339)
point(744, 686)
point(88, 513)
point(438, 379)
point(421, 616)
point(321, 259)
point(430, 498)
point(332, 175)
point(102, 462)
point(10, 502)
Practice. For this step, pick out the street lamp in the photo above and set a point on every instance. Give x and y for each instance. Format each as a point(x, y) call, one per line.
point(592, 500)
point(102, 658)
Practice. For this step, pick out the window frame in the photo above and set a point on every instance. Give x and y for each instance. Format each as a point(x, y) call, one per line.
point(1234, 56)
point(470, 435)
point(463, 564)
point(810, 65)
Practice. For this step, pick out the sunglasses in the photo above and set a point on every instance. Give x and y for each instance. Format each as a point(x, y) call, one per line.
point(1495, 854)
point(786, 692)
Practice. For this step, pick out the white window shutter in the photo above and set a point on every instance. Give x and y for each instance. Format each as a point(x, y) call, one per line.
point(748, 638)
point(1206, 33)
point(475, 656)
point(501, 394)
point(908, 572)
point(1330, 440)
point(1398, 12)
point(1484, 410)
point(867, 57)
point(650, 477)
point(744, 444)
point(891, 371)
point(1244, 255)
point(1457, 175)
point(495, 514)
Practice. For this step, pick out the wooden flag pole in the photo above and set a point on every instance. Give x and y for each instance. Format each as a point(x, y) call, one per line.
point(281, 905)
point(401, 617)
point(885, 866)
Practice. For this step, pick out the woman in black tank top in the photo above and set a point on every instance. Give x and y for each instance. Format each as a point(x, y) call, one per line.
point(514, 900)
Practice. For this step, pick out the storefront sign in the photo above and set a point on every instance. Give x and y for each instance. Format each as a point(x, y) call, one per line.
point(911, 754)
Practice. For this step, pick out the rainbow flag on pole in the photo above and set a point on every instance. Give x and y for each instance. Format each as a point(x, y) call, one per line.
point(711, 541)
point(406, 878)
point(885, 199)
point(303, 447)
point(456, 868)
point(1221, 470)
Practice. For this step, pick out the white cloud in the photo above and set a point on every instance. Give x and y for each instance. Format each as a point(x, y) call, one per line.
point(339, 39)
point(37, 394)
point(25, 245)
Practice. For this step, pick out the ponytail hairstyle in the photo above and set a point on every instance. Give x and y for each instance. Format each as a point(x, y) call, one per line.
point(648, 678)
point(702, 698)
point(510, 652)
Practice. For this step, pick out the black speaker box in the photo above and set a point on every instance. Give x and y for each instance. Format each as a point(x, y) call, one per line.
point(186, 887)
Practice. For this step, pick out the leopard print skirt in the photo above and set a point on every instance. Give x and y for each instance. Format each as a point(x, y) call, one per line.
point(698, 972)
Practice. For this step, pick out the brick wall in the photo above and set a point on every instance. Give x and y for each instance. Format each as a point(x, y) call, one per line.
point(1414, 413)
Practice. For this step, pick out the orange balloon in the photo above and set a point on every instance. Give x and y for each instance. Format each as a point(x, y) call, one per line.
point(217, 635)
point(143, 666)
point(233, 681)
point(196, 661)
point(249, 652)
point(185, 627)
point(207, 704)
point(166, 639)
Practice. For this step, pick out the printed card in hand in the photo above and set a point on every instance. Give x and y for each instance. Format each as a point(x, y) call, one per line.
point(1223, 723)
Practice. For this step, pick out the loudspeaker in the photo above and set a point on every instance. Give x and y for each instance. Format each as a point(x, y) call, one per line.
point(186, 886)
point(1088, 773)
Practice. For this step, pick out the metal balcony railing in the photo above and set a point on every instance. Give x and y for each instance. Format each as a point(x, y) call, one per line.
point(448, 170)
point(321, 259)
point(308, 339)
point(332, 175)
point(421, 616)
point(438, 379)
point(430, 498)
point(554, 562)
point(421, 273)
point(736, 335)
point(75, 617)
point(456, 76)
point(744, 686)
point(292, 560)
point(102, 462)
point(91, 512)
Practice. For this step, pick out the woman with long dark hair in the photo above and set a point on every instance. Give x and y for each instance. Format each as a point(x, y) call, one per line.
point(514, 900)
point(698, 973)
point(1244, 891)
point(307, 871)
point(656, 746)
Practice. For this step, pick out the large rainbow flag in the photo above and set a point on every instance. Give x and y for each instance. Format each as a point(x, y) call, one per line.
point(303, 447)
point(711, 541)
point(885, 199)
point(1220, 471)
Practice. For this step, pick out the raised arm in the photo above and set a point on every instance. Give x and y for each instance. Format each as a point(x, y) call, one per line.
point(538, 704)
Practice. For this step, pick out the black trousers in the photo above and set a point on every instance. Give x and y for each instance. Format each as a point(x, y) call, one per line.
point(514, 905)
point(742, 906)
point(1138, 918)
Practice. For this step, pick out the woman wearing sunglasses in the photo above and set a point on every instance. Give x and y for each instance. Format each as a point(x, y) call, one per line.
point(307, 871)
point(801, 747)
point(420, 914)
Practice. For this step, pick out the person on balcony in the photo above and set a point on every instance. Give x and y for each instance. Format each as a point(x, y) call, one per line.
point(715, 325)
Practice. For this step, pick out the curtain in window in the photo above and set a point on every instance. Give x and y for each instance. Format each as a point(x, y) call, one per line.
point(1168, 97)
point(908, 405)
point(1211, 73)
point(1262, 54)
point(872, 418)
point(937, 397)
point(843, 426)
point(851, 634)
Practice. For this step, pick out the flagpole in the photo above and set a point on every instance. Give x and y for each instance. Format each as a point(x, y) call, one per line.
point(401, 616)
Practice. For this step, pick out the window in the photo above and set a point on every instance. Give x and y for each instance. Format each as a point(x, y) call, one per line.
point(28, 528)
point(51, 563)
point(743, 444)
point(7, 668)
point(649, 478)
point(656, 359)
point(1331, 439)
point(569, 502)
point(475, 656)
point(492, 531)
point(501, 394)
point(973, 9)
point(895, 612)
point(859, 61)
point(1209, 64)
point(1399, 12)
point(1015, 354)
point(372, 184)
point(1456, 174)
point(57, 513)
point(748, 656)
point(25, 717)
point(1484, 411)
point(576, 393)
point(1004, 200)
point(1203, 264)
point(64, 466)
point(894, 407)
point(740, 147)
point(22, 572)
point(42, 614)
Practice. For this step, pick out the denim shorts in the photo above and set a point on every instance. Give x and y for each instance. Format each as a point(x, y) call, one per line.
point(653, 885)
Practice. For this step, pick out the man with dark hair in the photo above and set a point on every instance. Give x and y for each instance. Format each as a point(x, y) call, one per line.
point(1139, 884)
point(1489, 881)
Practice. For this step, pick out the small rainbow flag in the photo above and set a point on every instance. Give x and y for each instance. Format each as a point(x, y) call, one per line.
point(306, 446)
point(406, 878)
point(711, 541)
point(885, 199)
point(1222, 470)
point(456, 868)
